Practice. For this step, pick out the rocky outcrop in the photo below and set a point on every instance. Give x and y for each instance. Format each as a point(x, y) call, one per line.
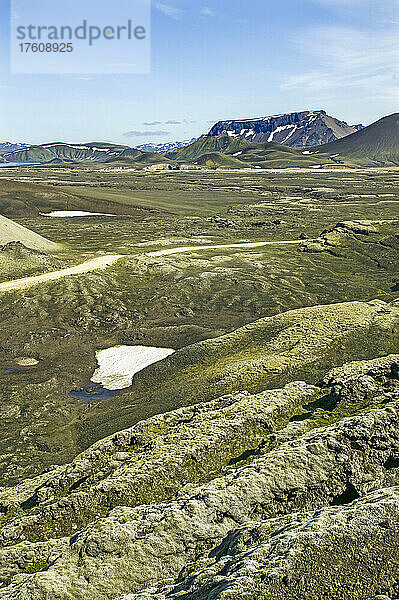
point(297, 130)
point(279, 494)
point(320, 554)
point(373, 243)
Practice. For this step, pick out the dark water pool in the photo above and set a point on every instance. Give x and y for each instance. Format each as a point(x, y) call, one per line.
point(17, 370)
point(93, 393)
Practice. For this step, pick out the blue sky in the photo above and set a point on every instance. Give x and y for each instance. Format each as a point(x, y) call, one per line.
point(218, 59)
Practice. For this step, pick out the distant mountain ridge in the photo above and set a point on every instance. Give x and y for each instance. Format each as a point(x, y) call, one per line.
point(165, 147)
point(297, 130)
point(374, 145)
point(60, 151)
point(6, 147)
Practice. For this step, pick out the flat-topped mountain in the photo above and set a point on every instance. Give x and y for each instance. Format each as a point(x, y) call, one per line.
point(297, 129)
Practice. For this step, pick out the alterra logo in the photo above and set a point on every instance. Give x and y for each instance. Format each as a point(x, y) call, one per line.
point(74, 37)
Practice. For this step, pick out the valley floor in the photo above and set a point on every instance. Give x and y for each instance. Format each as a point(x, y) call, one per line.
point(258, 461)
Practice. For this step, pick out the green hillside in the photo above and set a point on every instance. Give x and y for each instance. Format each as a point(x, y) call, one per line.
point(377, 144)
point(134, 156)
point(217, 160)
point(60, 151)
point(227, 152)
point(206, 145)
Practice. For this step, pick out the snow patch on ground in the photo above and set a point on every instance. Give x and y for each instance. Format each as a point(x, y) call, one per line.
point(75, 213)
point(118, 365)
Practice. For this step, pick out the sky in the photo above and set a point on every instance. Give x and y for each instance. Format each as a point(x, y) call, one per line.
point(214, 60)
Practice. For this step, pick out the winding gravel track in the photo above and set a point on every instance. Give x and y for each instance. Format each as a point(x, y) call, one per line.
point(248, 245)
point(102, 262)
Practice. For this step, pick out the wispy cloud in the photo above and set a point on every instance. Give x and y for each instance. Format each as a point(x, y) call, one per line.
point(170, 11)
point(365, 62)
point(207, 11)
point(369, 9)
point(149, 133)
point(169, 122)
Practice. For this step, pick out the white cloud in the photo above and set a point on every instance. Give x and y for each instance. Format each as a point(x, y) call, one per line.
point(145, 133)
point(170, 11)
point(363, 62)
point(207, 11)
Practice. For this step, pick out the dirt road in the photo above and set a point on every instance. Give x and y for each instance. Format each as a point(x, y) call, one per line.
point(101, 262)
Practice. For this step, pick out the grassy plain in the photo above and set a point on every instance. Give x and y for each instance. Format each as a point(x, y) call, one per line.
point(168, 301)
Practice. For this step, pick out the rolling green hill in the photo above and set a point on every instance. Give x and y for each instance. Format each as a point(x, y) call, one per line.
point(226, 152)
point(217, 160)
point(377, 144)
point(60, 151)
point(134, 156)
point(206, 145)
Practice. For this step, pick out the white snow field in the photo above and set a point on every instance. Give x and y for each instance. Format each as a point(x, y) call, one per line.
point(119, 364)
point(75, 213)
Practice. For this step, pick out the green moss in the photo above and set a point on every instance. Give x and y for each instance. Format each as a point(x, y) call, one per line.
point(36, 567)
point(251, 590)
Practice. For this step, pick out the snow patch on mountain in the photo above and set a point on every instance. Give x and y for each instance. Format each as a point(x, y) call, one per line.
point(298, 129)
point(165, 147)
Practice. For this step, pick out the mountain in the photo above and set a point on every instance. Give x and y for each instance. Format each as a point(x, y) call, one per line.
point(376, 144)
point(205, 144)
point(235, 152)
point(167, 147)
point(13, 232)
point(60, 151)
point(6, 147)
point(297, 129)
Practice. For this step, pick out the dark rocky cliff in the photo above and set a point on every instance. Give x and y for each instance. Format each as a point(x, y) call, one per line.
point(297, 129)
